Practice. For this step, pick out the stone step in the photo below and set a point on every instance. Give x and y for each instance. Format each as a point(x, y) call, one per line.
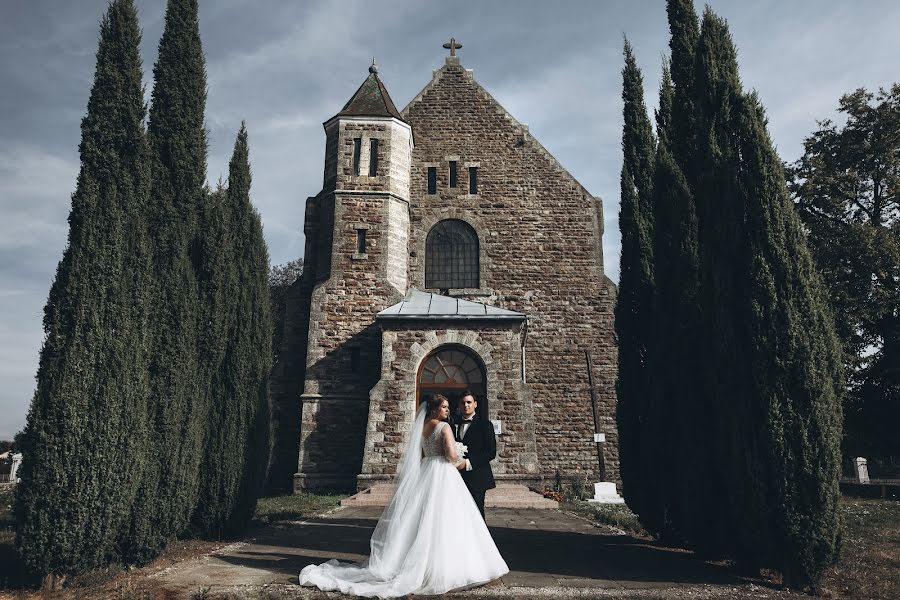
point(505, 495)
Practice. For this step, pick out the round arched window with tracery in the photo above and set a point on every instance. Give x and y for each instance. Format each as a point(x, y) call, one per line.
point(450, 371)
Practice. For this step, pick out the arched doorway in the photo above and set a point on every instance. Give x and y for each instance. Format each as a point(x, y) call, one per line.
point(450, 370)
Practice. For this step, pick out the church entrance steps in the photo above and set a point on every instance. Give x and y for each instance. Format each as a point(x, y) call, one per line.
point(505, 495)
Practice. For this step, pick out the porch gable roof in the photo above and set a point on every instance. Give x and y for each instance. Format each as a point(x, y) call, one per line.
point(425, 305)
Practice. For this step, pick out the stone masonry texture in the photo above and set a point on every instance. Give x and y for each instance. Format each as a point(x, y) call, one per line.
point(344, 390)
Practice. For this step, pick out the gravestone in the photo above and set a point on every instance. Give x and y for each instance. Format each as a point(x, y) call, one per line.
point(605, 493)
point(862, 469)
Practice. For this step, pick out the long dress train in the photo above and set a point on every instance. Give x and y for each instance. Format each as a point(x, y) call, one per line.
point(430, 539)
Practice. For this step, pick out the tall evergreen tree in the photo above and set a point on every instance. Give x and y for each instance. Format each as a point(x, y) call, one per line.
point(685, 31)
point(730, 424)
point(732, 275)
point(217, 278)
point(798, 378)
point(251, 358)
point(663, 114)
point(774, 362)
point(178, 409)
point(236, 452)
point(85, 440)
point(676, 318)
point(634, 305)
point(675, 246)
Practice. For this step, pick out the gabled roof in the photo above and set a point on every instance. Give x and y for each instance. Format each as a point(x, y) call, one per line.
point(452, 65)
point(371, 100)
point(424, 305)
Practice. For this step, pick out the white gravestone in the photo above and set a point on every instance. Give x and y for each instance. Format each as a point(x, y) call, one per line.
point(16, 462)
point(605, 493)
point(862, 469)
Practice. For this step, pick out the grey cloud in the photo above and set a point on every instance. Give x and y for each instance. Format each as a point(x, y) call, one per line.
point(285, 67)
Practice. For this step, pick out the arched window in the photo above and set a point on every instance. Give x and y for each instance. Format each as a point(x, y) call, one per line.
point(450, 370)
point(451, 256)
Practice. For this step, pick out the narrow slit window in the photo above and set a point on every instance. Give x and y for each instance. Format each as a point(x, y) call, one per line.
point(473, 180)
point(432, 180)
point(453, 174)
point(360, 241)
point(373, 157)
point(357, 149)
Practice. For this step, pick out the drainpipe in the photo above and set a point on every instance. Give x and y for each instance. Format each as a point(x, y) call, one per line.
point(524, 339)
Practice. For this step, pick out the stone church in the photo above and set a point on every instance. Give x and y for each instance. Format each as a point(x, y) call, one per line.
point(447, 250)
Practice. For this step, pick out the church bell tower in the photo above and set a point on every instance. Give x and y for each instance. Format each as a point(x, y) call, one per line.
point(357, 251)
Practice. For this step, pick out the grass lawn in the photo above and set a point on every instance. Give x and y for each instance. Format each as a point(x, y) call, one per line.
point(617, 516)
point(294, 507)
point(870, 552)
point(869, 567)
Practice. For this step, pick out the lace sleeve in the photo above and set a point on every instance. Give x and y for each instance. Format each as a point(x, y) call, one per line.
point(449, 445)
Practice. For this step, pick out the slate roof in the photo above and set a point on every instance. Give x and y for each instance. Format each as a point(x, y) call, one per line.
point(424, 305)
point(371, 100)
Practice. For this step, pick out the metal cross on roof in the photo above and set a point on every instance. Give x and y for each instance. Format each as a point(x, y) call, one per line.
point(452, 46)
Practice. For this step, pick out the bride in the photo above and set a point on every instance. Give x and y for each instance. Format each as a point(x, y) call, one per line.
point(431, 538)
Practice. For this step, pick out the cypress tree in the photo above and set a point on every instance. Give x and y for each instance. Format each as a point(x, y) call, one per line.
point(685, 31)
point(732, 275)
point(774, 361)
point(732, 426)
point(85, 438)
point(237, 440)
point(797, 367)
point(695, 513)
point(178, 409)
point(663, 114)
point(218, 286)
point(252, 357)
point(634, 305)
point(676, 319)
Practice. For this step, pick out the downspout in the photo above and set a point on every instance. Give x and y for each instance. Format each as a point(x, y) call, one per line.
point(524, 339)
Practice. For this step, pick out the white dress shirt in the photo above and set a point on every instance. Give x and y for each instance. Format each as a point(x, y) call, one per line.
point(463, 428)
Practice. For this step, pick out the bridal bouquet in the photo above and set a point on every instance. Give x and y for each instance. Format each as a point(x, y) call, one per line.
point(461, 449)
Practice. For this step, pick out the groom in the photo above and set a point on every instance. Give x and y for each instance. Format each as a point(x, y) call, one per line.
point(478, 436)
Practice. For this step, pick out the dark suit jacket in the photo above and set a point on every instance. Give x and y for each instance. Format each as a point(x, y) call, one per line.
point(482, 447)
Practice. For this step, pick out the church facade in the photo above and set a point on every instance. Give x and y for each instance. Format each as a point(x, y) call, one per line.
point(447, 250)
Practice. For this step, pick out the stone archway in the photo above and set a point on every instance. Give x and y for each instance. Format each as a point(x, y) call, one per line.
point(450, 370)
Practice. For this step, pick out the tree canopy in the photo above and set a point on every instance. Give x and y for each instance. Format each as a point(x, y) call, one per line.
point(847, 190)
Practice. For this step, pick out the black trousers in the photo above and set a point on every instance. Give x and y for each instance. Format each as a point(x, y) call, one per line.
point(478, 497)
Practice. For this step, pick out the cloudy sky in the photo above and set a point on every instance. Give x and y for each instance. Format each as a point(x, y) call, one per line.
point(286, 66)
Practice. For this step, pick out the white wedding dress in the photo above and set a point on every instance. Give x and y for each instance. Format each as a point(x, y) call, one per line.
point(430, 539)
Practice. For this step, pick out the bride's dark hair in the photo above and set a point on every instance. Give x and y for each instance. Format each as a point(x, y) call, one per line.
point(433, 402)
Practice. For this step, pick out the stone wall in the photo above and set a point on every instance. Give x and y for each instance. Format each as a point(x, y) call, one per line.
point(541, 255)
point(540, 232)
point(394, 148)
point(405, 345)
point(343, 344)
point(286, 380)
